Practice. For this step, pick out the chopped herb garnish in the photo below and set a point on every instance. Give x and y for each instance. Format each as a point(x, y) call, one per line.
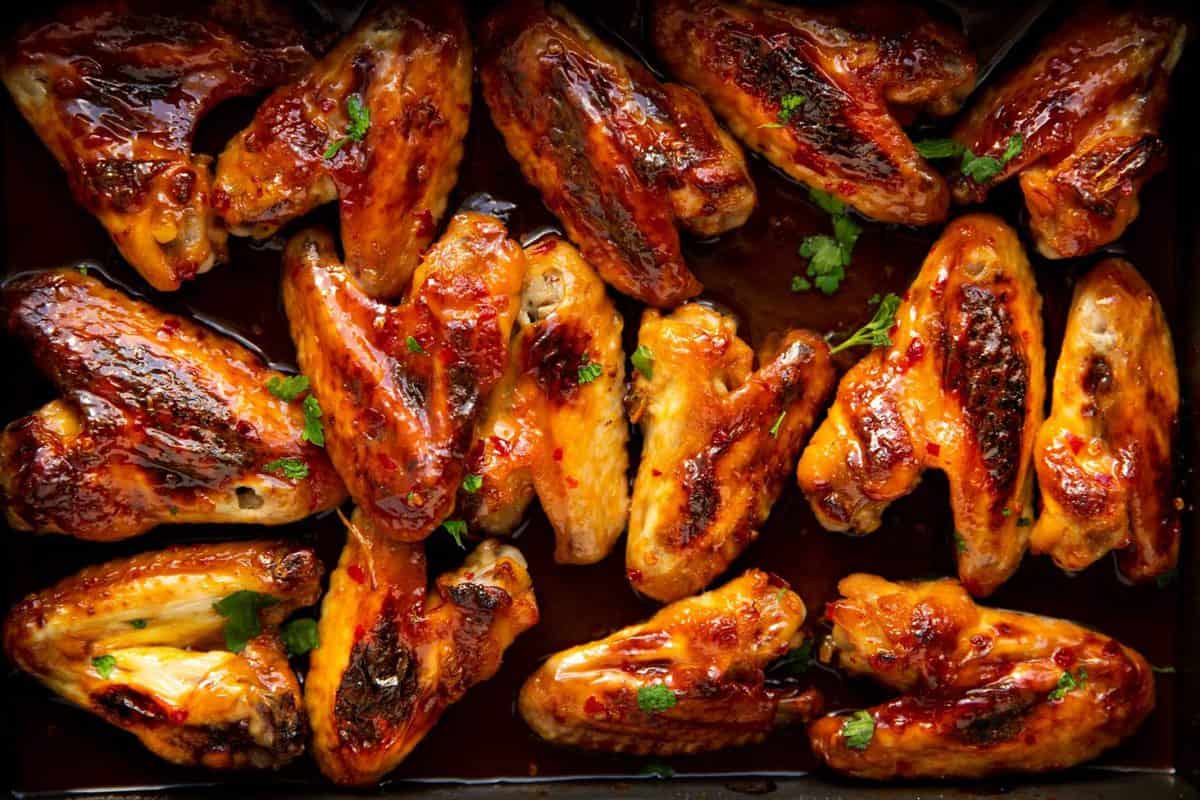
point(788, 104)
point(939, 148)
point(299, 636)
point(1162, 670)
point(291, 468)
point(800, 283)
point(139, 624)
point(104, 665)
point(414, 346)
point(828, 256)
point(658, 770)
point(643, 361)
point(1006, 512)
point(360, 122)
point(83, 270)
point(960, 543)
point(1068, 683)
point(655, 699)
point(827, 202)
point(874, 299)
point(775, 428)
point(471, 483)
point(457, 530)
point(313, 431)
point(858, 729)
point(589, 370)
point(980, 169)
point(794, 662)
point(288, 388)
point(240, 611)
point(1016, 143)
point(874, 333)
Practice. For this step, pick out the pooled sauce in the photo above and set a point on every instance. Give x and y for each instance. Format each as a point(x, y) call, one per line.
point(55, 746)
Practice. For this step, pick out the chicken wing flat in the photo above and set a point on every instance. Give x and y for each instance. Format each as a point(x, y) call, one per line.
point(392, 660)
point(1088, 109)
point(138, 642)
point(161, 420)
point(688, 680)
point(960, 389)
point(1103, 457)
point(402, 386)
point(816, 91)
point(720, 441)
point(378, 124)
point(556, 423)
point(986, 691)
point(115, 90)
point(619, 157)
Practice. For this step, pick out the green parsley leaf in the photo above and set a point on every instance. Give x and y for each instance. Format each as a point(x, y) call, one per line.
point(457, 530)
point(858, 729)
point(980, 169)
point(939, 148)
point(846, 231)
point(289, 387)
point(789, 104)
point(240, 611)
point(313, 431)
point(1016, 143)
point(83, 270)
point(960, 544)
point(875, 332)
point(1006, 512)
point(643, 361)
point(827, 202)
point(299, 636)
point(826, 261)
point(874, 299)
point(655, 698)
point(104, 665)
point(658, 770)
point(471, 483)
point(1162, 670)
point(291, 468)
point(1067, 683)
point(414, 346)
point(800, 283)
point(794, 662)
point(139, 624)
point(775, 428)
point(360, 122)
point(589, 370)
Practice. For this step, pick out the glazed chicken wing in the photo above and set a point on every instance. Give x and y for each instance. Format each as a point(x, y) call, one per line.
point(138, 642)
point(1088, 109)
point(407, 67)
point(960, 389)
point(720, 441)
point(1103, 457)
point(160, 420)
point(985, 691)
point(115, 90)
point(619, 157)
point(818, 91)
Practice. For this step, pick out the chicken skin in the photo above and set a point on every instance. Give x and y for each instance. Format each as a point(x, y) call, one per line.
point(1103, 457)
point(556, 423)
point(160, 421)
point(115, 90)
point(138, 642)
point(402, 386)
point(618, 157)
point(392, 660)
point(1088, 110)
point(960, 389)
point(985, 691)
point(378, 124)
point(818, 91)
point(720, 440)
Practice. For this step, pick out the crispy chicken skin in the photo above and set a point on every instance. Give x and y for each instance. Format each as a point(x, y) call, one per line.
point(984, 689)
point(170, 681)
point(409, 64)
point(960, 389)
point(720, 441)
point(544, 430)
point(391, 660)
point(115, 90)
point(619, 157)
point(709, 652)
point(161, 420)
point(402, 386)
point(1103, 457)
point(1089, 108)
point(856, 67)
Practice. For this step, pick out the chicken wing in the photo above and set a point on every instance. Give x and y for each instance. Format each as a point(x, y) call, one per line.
point(391, 660)
point(403, 386)
point(378, 124)
point(618, 157)
point(1088, 110)
point(720, 440)
point(115, 90)
point(138, 642)
point(817, 91)
point(161, 421)
point(1103, 457)
point(986, 691)
point(960, 389)
point(557, 422)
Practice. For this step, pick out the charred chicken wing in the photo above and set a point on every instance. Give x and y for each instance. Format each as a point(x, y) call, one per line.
point(619, 157)
point(986, 691)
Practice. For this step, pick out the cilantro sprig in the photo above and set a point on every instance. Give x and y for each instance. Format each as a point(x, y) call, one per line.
point(314, 429)
point(1069, 683)
point(789, 104)
point(291, 468)
point(299, 636)
point(104, 666)
point(589, 370)
point(858, 729)
point(876, 332)
point(980, 169)
point(240, 611)
point(457, 529)
point(656, 698)
point(360, 122)
point(828, 256)
point(643, 361)
point(471, 483)
point(289, 387)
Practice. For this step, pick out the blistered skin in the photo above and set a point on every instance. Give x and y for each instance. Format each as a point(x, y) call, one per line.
point(858, 70)
point(172, 682)
point(160, 421)
point(1103, 457)
point(620, 158)
point(115, 90)
point(720, 439)
point(1089, 108)
point(392, 659)
point(709, 652)
point(960, 389)
point(979, 685)
point(544, 429)
point(409, 64)
point(402, 386)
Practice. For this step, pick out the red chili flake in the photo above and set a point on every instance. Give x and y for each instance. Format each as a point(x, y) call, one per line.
point(502, 446)
point(655, 472)
point(179, 716)
point(593, 706)
point(558, 454)
point(914, 353)
point(933, 448)
point(169, 326)
point(1076, 444)
point(633, 575)
point(356, 573)
point(359, 632)
point(572, 483)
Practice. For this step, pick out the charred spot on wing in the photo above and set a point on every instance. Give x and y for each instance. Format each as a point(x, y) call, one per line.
point(378, 688)
point(702, 497)
point(127, 706)
point(296, 568)
point(479, 597)
point(1097, 377)
point(1001, 720)
point(463, 395)
point(553, 355)
point(119, 184)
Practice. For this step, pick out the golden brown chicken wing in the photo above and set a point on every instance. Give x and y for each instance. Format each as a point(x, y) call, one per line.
point(619, 157)
point(720, 440)
point(115, 90)
point(985, 691)
point(402, 386)
point(139, 643)
point(1103, 457)
point(392, 660)
point(161, 420)
point(378, 124)
point(817, 91)
point(960, 389)
point(1088, 110)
